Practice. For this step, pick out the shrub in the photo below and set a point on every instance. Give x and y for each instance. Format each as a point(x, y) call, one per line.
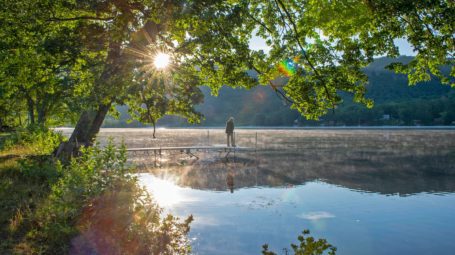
point(40, 169)
point(308, 246)
point(98, 207)
point(127, 221)
point(35, 140)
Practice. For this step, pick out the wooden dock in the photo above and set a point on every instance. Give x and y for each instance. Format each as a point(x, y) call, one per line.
point(190, 149)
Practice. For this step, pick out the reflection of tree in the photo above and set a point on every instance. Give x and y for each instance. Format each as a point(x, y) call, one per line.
point(383, 161)
point(382, 172)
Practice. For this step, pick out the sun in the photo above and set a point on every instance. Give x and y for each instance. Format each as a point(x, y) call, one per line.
point(161, 60)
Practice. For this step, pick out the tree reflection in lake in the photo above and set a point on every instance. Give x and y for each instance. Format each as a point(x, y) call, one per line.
point(425, 164)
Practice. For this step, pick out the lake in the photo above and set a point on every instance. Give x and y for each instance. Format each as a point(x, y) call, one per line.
point(375, 191)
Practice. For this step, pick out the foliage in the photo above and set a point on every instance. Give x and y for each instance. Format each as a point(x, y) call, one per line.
point(111, 224)
point(35, 139)
point(151, 98)
point(97, 204)
point(48, 208)
point(308, 246)
point(426, 103)
point(66, 59)
point(40, 169)
point(429, 28)
point(21, 191)
point(328, 42)
point(43, 64)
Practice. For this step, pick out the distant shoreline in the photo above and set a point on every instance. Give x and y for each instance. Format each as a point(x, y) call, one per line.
point(294, 128)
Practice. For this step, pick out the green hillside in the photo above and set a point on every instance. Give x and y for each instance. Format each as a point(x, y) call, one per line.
point(396, 103)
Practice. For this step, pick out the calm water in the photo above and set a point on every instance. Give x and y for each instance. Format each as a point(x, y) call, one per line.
point(365, 191)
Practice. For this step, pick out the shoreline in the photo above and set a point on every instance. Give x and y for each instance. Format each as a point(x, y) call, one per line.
point(283, 128)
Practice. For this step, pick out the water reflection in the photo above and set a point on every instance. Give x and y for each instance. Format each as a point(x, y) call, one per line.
point(316, 216)
point(355, 222)
point(385, 173)
point(230, 181)
point(165, 192)
point(364, 196)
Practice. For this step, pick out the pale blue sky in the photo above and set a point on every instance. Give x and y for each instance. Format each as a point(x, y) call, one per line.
point(405, 48)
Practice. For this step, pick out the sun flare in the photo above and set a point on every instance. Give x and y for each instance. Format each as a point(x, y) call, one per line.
point(164, 192)
point(161, 60)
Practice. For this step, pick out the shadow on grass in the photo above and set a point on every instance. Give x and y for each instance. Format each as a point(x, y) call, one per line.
point(20, 194)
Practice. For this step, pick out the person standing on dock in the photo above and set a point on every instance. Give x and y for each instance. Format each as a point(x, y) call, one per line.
point(230, 132)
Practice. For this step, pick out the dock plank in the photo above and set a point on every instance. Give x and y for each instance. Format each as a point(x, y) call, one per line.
point(184, 148)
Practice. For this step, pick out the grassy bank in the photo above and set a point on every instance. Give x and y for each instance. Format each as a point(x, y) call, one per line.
point(26, 177)
point(92, 205)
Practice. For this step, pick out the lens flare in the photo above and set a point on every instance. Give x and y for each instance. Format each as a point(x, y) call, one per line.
point(287, 67)
point(161, 60)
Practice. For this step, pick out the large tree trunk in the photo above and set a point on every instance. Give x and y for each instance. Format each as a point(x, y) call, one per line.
point(90, 122)
point(84, 133)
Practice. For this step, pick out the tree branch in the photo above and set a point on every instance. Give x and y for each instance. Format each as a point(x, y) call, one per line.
point(259, 22)
point(280, 93)
point(274, 87)
point(296, 37)
point(79, 18)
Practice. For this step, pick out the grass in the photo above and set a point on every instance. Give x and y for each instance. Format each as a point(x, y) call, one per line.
point(17, 152)
point(19, 196)
point(27, 174)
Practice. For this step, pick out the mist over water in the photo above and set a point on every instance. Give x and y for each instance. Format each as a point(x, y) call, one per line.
point(365, 191)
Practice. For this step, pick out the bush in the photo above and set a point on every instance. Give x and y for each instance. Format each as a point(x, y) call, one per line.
point(308, 246)
point(40, 169)
point(126, 221)
point(97, 205)
point(36, 140)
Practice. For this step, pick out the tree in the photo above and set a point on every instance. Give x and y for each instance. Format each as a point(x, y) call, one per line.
point(319, 47)
point(322, 45)
point(428, 26)
point(149, 103)
point(115, 22)
point(152, 96)
point(169, 26)
point(44, 65)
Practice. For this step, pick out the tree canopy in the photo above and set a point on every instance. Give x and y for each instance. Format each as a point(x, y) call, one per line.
point(75, 59)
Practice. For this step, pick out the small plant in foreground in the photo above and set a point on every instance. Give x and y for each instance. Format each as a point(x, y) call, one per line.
point(308, 246)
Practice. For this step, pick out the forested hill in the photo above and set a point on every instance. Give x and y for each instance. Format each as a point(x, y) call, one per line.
point(385, 85)
point(396, 103)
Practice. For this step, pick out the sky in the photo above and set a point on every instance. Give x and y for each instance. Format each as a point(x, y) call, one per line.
point(257, 43)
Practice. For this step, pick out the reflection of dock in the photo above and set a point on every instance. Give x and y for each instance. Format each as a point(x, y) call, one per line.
point(191, 149)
